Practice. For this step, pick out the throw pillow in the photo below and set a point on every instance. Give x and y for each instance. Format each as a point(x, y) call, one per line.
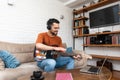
point(2, 65)
point(9, 60)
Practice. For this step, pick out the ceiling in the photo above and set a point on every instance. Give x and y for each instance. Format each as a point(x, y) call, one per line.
point(74, 3)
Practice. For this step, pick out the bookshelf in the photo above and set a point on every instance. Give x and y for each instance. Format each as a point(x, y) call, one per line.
point(103, 57)
point(81, 27)
point(93, 6)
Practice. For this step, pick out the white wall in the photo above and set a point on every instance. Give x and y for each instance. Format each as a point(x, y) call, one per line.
point(26, 18)
point(110, 51)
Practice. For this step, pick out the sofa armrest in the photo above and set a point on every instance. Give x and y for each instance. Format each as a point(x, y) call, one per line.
point(83, 54)
point(83, 62)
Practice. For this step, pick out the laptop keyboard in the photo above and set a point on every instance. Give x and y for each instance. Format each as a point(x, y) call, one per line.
point(93, 69)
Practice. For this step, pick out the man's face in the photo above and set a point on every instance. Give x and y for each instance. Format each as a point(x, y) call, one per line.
point(54, 28)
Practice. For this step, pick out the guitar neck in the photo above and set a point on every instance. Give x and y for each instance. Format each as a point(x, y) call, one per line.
point(64, 53)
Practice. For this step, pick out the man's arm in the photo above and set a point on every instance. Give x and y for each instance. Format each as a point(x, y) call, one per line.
point(41, 46)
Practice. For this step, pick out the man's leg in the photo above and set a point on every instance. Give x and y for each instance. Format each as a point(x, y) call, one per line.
point(62, 61)
point(47, 64)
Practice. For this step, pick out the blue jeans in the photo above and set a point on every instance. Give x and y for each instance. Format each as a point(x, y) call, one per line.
point(50, 64)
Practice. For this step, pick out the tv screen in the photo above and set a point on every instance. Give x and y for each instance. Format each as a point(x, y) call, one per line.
point(104, 17)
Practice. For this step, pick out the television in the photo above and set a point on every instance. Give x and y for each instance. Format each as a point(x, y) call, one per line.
point(104, 17)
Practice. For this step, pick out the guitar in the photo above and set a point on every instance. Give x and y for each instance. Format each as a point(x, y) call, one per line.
point(65, 54)
point(54, 54)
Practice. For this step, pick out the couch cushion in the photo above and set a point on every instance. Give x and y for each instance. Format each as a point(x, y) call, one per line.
point(23, 69)
point(16, 47)
point(2, 65)
point(24, 57)
point(23, 52)
point(9, 60)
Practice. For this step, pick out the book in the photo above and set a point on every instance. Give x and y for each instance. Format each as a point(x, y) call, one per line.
point(115, 39)
point(87, 40)
point(64, 76)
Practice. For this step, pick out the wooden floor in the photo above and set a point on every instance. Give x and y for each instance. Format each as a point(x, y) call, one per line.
point(116, 75)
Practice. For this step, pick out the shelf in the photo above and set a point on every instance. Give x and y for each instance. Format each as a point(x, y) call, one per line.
point(103, 57)
point(101, 45)
point(77, 27)
point(86, 35)
point(81, 18)
point(102, 33)
point(96, 5)
point(77, 36)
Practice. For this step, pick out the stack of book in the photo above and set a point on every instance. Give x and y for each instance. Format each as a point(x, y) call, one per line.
point(64, 76)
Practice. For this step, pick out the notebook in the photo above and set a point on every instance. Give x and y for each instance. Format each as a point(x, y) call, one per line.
point(93, 69)
point(64, 76)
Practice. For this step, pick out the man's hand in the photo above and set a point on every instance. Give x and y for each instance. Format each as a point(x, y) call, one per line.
point(61, 49)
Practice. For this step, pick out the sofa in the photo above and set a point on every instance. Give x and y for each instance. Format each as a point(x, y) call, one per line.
point(24, 53)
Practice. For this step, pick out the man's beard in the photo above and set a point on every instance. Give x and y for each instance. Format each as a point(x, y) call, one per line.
point(53, 33)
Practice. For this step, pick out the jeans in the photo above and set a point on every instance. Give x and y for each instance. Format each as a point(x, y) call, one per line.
point(50, 64)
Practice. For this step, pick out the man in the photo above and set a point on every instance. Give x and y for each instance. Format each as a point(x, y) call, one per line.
point(48, 41)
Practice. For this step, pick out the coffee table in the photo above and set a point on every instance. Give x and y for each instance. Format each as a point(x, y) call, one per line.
point(76, 74)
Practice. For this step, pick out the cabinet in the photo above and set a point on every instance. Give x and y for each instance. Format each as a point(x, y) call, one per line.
point(79, 26)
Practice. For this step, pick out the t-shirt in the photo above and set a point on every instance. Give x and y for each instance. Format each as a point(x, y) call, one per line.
point(44, 38)
point(48, 40)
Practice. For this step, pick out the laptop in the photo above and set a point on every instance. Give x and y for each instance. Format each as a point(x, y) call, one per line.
point(93, 69)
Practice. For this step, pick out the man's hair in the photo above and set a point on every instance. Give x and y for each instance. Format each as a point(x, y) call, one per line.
point(51, 21)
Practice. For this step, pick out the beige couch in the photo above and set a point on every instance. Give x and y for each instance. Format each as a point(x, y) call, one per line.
point(24, 53)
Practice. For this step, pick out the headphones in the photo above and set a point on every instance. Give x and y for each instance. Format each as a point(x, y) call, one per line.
point(49, 27)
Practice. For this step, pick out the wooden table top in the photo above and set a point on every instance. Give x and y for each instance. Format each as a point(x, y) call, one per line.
point(76, 74)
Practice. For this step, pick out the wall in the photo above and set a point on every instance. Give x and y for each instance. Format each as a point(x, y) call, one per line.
point(26, 18)
point(110, 51)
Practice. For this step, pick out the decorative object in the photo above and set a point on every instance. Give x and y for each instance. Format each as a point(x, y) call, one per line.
point(11, 2)
point(84, 6)
point(100, 0)
point(37, 75)
point(61, 16)
point(92, 2)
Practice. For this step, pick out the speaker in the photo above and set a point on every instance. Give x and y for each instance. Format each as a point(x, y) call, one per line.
point(85, 31)
point(92, 40)
point(49, 27)
point(108, 39)
point(100, 39)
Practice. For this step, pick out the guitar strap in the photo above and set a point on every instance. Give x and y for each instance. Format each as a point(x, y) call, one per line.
point(34, 53)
